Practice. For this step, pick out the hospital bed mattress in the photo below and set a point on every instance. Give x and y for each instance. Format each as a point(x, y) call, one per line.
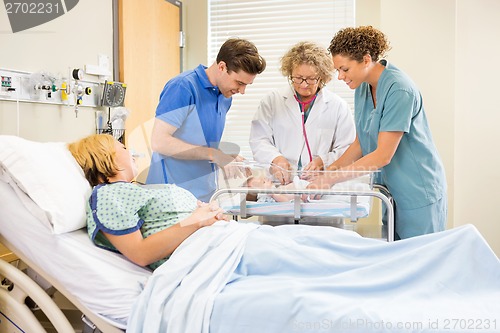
point(102, 284)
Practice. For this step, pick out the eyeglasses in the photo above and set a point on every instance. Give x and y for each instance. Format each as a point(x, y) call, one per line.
point(299, 80)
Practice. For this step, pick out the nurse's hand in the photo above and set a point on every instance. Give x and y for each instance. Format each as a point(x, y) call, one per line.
point(310, 171)
point(281, 170)
point(319, 183)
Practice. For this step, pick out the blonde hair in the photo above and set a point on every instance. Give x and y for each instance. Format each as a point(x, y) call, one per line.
point(96, 156)
point(311, 54)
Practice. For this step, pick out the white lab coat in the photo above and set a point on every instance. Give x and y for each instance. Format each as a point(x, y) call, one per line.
point(277, 128)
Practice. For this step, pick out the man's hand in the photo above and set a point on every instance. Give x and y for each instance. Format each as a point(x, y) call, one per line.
point(220, 158)
point(236, 170)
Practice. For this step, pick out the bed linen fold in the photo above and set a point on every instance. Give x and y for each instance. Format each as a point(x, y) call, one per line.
point(321, 279)
point(179, 295)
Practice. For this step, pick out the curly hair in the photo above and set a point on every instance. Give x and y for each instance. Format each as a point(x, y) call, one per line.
point(311, 54)
point(240, 54)
point(96, 156)
point(355, 43)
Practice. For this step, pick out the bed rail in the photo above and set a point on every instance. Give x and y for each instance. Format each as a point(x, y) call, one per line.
point(14, 309)
point(100, 323)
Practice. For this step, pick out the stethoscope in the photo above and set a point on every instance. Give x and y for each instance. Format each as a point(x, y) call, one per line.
point(302, 106)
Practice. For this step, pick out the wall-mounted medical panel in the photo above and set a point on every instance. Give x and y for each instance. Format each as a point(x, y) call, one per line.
point(41, 87)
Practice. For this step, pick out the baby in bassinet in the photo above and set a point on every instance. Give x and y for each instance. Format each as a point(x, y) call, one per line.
point(266, 183)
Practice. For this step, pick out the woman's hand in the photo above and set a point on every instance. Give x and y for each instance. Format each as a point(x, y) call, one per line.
point(281, 170)
point(319, 183)
point(205, 215)
point(311, 170)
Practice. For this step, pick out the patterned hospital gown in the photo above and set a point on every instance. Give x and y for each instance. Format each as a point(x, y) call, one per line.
point(121, 208)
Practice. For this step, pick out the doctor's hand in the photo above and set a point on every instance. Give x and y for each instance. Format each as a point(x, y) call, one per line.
point(281, 170)
point(310, 171)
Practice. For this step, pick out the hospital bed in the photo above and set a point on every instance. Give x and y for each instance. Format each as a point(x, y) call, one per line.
point(100, 284)
point(210, 278)
point(45, 230)
point(349, 199)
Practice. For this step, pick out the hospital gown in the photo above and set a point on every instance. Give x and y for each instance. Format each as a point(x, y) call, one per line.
point(122, 208)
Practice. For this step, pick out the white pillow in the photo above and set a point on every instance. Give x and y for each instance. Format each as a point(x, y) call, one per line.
point(49, 174)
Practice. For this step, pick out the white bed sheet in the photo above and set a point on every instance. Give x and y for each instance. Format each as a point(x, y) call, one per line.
point(104, 282)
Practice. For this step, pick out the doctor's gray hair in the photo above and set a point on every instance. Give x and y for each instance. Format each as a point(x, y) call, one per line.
point(311, 54)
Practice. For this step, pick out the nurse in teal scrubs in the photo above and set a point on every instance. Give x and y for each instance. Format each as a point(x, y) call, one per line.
point(393, 134)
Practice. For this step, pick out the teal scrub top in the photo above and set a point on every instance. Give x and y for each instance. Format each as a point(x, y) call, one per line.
point(415, 176)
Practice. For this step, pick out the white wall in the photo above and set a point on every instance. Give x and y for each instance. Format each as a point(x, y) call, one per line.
point(477, 115)
point(71, 40)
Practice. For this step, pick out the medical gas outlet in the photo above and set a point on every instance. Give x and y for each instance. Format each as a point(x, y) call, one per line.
point(7, 89)
point(39, 87)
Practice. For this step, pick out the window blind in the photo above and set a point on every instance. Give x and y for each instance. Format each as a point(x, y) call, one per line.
point(274, 26)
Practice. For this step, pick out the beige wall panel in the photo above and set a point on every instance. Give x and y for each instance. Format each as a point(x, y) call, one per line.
point(149, 56)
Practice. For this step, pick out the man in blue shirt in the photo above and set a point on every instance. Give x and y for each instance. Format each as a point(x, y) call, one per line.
point(191, 115)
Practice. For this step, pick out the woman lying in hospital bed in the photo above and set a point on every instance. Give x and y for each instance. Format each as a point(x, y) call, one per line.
point(243, 277)
point(307, 275)
point(144, 224)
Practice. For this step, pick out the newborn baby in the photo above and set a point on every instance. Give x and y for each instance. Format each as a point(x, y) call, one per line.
point(266, 183)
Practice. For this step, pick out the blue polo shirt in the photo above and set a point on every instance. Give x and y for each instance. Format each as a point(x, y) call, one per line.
point(198, 110)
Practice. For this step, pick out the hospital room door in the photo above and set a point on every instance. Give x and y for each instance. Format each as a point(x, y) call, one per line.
point(149, 55)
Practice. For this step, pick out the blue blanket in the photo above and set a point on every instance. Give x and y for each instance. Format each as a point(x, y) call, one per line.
point(297, 278)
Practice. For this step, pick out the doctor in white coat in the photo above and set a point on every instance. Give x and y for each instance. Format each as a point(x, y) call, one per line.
point(302, 127)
